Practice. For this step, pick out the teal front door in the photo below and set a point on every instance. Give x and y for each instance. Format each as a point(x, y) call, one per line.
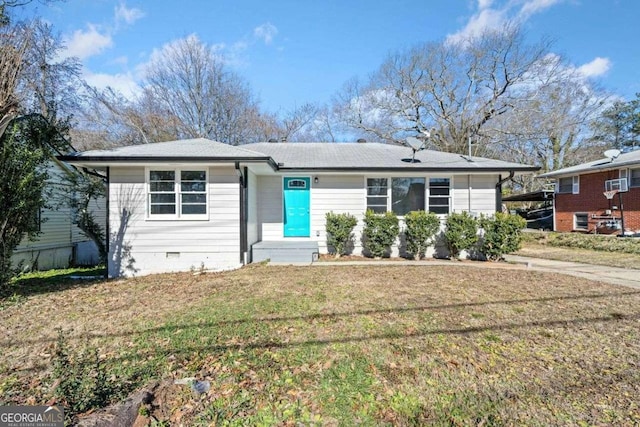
point(296, 207)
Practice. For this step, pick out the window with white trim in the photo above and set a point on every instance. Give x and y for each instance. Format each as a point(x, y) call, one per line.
point(581, 221)
point(402, 195)
point(569, 185)
point(176, 193)
point(407, 195)
point(439, 195)
point(377, 194)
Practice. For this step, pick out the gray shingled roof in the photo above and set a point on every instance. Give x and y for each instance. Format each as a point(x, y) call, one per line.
point(300, 156)
point(631, 158)
point(354, 156)
point(182, 149)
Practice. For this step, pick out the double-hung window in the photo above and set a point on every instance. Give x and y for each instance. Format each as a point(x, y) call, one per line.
point(569, 185)
point(634, 178)
point(406, 194)
point(177, 194)
point(581, 221)
point(439, 195)
point(377, 194)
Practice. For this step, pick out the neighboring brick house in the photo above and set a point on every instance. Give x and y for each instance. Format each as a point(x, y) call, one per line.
point(580, 203)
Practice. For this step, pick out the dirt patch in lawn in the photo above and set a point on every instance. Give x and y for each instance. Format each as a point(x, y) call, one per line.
point(340, 345)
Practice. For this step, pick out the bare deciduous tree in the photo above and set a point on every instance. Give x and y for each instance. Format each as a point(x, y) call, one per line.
point(188, 81)
point(549, 124)
point(13, 44)
point(49, 83)
point(450, 91)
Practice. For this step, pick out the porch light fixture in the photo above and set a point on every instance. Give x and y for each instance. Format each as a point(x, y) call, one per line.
point(316, 180)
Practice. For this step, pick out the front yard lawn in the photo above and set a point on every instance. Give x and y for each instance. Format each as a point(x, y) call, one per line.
point(341, 345)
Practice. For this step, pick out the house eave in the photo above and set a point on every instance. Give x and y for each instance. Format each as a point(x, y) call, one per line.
point(528, 169)
point(605, 167)
point(103, 161)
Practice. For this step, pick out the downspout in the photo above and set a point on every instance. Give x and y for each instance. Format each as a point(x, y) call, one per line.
point(499, 189)
point(107, 228)
point(242, 183)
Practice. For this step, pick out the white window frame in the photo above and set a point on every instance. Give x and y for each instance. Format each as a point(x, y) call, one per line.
point(575, 185)
point(629, 176)
point(449, 198)
point(389, 195)
point(178, 216)
point(575, 221)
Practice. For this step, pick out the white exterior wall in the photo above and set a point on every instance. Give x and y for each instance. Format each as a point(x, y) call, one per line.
point(347, 194)
point(340, 194)
point(59, 240)
point(270, 225)
point(474, 193)
point(139, 245)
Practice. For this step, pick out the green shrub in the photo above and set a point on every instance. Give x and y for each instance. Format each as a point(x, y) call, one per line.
point(380, 232)
point(420, 229)
point(82, 380)
point(340, 231)
point(502, 235)
point(461, 233)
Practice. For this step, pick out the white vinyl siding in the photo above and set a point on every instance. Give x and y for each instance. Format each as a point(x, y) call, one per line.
point(270, 225)
point(338, 194)
point(474, 193)
point(54, 246)
point(140, 246)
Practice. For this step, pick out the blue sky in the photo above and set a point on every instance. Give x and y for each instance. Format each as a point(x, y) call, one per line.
point(297, 51)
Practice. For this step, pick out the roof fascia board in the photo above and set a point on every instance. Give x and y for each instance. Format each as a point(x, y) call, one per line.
point(146, 160)
point(412, 169)
point(604, 167)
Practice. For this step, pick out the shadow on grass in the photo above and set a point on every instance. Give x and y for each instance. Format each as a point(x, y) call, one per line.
point(271, 343)
point(52, 281)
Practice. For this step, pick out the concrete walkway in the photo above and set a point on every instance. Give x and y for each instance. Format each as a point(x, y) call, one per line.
point(613, 275)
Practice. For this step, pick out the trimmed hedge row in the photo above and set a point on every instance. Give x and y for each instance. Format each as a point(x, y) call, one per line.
point(489, 237)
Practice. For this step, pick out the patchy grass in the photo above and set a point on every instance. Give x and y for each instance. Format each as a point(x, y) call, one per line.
point(599, 250)
point(44, 282)
point(342, 345)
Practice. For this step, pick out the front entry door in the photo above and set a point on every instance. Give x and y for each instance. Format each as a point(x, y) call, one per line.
point(296, 207)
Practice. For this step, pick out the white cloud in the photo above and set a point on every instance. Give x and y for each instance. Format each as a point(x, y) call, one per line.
point(494, 16)
point(595, 68)
point(485, 19)
point(86, 43)
point(266, 32)
point(124, 83)
point(126, 15)
point(534, 6)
